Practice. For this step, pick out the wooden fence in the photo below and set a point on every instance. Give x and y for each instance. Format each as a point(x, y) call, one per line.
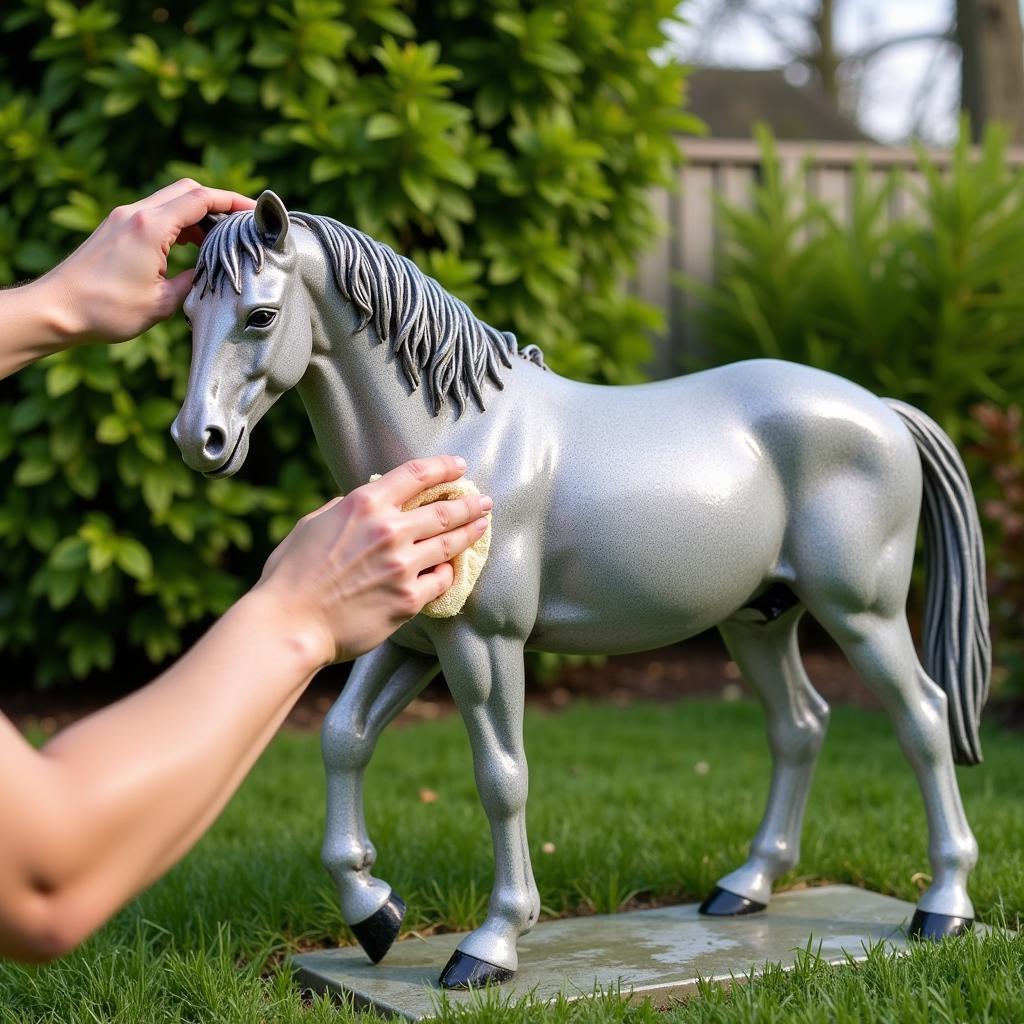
point(729, 168)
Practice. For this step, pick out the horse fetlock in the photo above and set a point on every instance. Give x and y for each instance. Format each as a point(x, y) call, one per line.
point(342, 859)
point(518, 908)
point(533, 916)
point(534, 908)
point(774, 858)
point(955, 855)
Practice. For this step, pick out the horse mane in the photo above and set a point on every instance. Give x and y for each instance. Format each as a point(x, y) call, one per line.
point(434, 337)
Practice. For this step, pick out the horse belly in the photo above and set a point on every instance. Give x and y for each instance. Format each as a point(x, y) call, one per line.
point(647, 572)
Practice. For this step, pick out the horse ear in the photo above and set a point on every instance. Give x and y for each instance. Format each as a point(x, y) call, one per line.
point(271, 220)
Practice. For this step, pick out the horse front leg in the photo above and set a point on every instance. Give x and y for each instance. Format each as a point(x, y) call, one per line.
point(486, 678)
point(381, 684)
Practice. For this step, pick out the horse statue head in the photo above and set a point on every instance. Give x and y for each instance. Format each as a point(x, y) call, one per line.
point(272, 290)
point(252, 341)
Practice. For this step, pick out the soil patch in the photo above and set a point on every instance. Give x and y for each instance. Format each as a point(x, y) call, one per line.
point(698, 667)
point(692, 669)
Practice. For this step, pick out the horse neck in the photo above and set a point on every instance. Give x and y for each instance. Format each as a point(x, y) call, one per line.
point(364, 418)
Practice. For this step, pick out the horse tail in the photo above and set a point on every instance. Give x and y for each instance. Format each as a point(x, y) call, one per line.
point(957, 645)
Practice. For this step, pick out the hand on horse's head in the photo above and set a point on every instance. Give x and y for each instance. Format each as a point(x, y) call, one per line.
point(114, 286)
point(350, 573)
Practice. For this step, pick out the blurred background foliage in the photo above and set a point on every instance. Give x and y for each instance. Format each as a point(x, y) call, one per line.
point(508, 147)
point(926, 306)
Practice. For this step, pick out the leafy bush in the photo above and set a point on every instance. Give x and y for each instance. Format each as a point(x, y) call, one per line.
point(1000, 451)
point(507, 146)
point(928, 307)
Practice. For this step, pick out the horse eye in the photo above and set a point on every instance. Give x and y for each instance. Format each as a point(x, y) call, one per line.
point(261, 318)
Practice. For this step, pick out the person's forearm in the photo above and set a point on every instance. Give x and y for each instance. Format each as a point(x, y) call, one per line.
point(35, 324)
point(131, 788)
point(115, 800)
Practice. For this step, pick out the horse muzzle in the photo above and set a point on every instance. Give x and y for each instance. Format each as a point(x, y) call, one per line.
point(211, 450)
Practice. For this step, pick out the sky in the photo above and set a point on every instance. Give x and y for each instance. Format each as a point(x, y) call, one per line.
point(909, 90)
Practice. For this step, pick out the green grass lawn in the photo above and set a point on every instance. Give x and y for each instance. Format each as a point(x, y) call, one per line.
point(615, 790)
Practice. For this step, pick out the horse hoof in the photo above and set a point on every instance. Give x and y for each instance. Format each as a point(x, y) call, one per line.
point(722, 903)
point(928, 927)
point(465, 971)
point(379, 930)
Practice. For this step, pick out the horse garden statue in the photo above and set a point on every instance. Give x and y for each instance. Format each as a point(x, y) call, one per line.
point(625, 518)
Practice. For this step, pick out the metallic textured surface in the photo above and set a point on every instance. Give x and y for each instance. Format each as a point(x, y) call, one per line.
point(624, 519)
point(657, 954)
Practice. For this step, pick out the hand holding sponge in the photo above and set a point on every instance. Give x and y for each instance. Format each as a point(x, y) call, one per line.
point(467, 564)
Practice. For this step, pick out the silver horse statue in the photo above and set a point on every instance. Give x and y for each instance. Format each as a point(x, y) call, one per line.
point(625, 518)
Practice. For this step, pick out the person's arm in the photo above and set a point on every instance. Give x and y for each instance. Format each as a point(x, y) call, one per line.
point(112, 802)
point(115, 285)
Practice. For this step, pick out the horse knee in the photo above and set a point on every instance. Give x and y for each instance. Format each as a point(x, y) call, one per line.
point(503, 786)
point(342, 746)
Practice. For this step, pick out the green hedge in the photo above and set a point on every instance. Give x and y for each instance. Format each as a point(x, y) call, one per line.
point(927, 307)
point(506, 146)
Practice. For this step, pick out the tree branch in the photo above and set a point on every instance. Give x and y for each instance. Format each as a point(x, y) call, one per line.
point(870, 52)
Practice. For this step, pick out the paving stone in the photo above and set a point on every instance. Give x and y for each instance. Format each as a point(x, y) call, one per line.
point(658, 953)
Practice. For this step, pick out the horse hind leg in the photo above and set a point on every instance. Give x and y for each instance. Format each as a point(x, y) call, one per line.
point(881, 649)
point(769, 657)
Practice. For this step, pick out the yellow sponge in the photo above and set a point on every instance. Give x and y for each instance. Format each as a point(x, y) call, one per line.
point(467, 564)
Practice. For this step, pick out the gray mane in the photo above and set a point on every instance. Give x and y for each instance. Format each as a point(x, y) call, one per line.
point(434, 337)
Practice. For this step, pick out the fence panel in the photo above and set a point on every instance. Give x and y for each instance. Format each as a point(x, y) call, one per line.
point(728, 169)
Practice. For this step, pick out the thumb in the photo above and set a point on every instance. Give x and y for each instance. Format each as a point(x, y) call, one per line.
point(175, 290)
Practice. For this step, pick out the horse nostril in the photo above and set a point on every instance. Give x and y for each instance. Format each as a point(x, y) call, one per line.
point(214, 440)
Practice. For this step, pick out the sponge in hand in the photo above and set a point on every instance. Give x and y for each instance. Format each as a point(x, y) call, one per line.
point(467, 564)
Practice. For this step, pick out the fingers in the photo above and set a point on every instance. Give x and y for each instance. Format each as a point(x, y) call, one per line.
point(440, 516)
point(165, 194)
point(192, 206)
point(176, 290)
point(179, 188)
point(193, 235)
point(433, 583)
point(443, 548)
point(409, 479)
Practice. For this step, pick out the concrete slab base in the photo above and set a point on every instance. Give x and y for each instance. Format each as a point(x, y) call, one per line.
point(658, 954)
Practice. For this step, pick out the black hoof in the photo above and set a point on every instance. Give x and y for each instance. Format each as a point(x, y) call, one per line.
point(465, 971)
point(722, 903)
point(379, 930)
point(929, 927)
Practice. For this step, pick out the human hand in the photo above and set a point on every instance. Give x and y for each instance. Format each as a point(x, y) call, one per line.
point(114, 286)
point(349, 574)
